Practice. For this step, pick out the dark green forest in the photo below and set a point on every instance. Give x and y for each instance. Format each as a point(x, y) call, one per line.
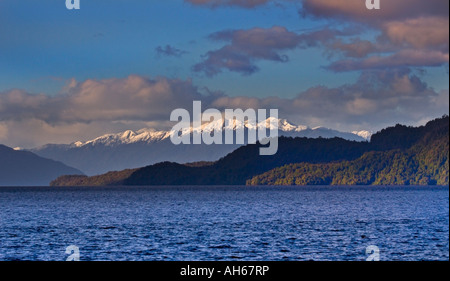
point(420, 159)
point(110, 178)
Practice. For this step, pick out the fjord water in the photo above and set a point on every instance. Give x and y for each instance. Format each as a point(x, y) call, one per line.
point(224, 223)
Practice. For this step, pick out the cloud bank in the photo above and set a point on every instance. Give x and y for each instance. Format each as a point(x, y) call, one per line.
point(245, 48)
point(411, 33)
point(93, 107)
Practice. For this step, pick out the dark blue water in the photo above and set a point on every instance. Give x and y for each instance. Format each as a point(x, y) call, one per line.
point(224, 223)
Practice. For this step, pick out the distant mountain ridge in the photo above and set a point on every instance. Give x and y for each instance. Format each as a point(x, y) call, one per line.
point(396, 155)
point(151, 135)
point(135, 149)
point(22, 168)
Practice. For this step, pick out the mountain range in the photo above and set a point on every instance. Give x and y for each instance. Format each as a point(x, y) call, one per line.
point(23, 168)
point(134, 149)
point(396, 155)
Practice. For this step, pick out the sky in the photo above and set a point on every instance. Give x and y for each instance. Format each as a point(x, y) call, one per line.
point(69, 75)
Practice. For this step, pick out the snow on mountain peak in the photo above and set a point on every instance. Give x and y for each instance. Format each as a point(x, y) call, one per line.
point(128, 134)
point(78, 144)
point(127, 137)
point(364, 134)
point(152, 135)
point(234, 124)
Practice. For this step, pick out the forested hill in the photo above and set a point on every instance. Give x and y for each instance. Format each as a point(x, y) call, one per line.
point(410, 156)
point(396, 155)
point(245, 162)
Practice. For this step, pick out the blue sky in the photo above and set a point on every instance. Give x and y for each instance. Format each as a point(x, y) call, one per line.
point(312, 59)
point(45, 44)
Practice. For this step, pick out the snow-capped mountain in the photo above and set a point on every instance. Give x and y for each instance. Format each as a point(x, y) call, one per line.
point(364, 134)
point(127, 137)
point(285, 128)
point(133, 149)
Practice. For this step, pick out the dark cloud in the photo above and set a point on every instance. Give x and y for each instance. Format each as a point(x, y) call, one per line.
point(98, 35)
point(400, 59)
point(414, 43)
point(325, 36)
point(389, 10)
point(411, 33)
point(246, 47)
point(346, 9)
point(169, 51)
